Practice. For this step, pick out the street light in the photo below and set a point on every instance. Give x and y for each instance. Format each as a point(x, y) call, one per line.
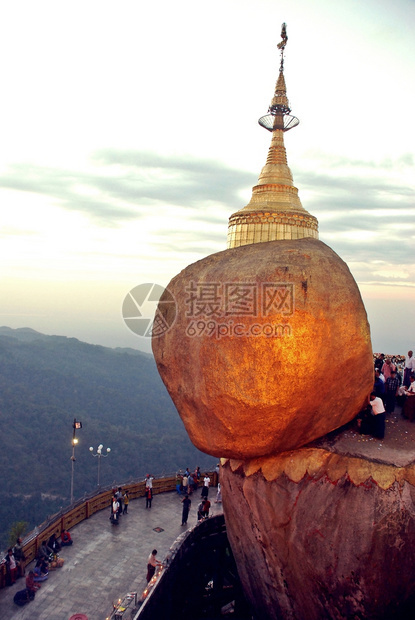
point(76, 425)
point(99, 455)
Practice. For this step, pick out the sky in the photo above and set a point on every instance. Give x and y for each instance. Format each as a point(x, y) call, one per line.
point(129, 135)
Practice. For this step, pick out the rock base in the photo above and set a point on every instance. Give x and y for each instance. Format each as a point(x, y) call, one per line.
point(320, 535)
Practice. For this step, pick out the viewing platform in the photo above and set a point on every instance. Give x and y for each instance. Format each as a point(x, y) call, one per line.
point(105, 561)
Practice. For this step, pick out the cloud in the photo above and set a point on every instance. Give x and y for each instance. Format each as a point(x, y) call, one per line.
point(69, 189)
point(179, 180)
point(366, 212)
point(125, 185)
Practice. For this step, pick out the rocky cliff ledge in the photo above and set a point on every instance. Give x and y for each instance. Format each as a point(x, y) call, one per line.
point(327, 531)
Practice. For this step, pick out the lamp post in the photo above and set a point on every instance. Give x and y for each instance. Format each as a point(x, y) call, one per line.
point(76, 425)
point(99, 455)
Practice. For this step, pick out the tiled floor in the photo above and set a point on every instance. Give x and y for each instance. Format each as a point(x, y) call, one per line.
point(105, 562)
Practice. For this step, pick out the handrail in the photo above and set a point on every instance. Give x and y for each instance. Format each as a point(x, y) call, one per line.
point(84, 508)
point(148, 607)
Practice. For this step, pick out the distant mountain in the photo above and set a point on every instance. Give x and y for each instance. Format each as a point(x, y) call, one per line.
point(48, 381)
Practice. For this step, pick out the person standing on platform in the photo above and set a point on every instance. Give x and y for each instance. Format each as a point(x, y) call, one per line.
point(387, 368)
point(193, 482)
point(409, 369)
point(118, 495)
point(152, 563)
point(379, 385)
point(149, 496)
point(186, 507)
point(391, 390)
point(20, 557)
point(379, 362)
point(179, 479)
point(205, 488)
point(149, 481)
point(114, 511)
point(11, 568)
point(126, 500)
point(218, 499)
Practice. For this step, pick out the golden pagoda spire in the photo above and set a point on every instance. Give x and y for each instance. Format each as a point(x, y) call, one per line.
point(275, 210)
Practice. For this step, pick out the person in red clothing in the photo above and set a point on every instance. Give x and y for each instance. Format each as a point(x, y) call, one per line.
point(149, 496)
point(66, 539)
point(31, 585)
point(206, 507)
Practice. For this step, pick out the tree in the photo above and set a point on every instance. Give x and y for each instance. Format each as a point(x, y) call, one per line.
point(17, 529)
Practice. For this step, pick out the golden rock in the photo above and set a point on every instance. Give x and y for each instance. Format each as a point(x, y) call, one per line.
point(270, 348)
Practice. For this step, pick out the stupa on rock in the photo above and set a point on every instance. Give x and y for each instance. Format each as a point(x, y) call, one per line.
point(275, 210)
point(269, 351)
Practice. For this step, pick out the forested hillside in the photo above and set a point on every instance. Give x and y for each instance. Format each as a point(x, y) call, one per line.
point(46, 382)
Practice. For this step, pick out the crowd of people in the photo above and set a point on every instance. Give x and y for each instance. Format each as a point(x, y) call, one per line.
point(47, 556)
point(187, 483)
point(394, 384)
point(119, 504)
point(47, 559)
point(121, 499)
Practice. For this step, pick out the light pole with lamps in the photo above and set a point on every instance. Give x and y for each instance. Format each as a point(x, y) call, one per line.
point(99, 455)
point(76, 425)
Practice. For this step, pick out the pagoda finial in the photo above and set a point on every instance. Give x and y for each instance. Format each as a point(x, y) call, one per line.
point(275, 211)
point(279, 111)
point(281, 45)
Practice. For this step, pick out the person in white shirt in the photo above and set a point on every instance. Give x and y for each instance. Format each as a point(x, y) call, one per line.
point(149, 481)
point(205, 488)
point(378, 411)
point(114, 514)
point(411, 389)
point(409, 368)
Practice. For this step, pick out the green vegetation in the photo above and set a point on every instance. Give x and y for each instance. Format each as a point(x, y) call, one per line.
point(117, 394)
point(18, 529)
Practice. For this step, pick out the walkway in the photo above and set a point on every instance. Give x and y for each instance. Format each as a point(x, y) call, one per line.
point(397, 448)
point(105, 562)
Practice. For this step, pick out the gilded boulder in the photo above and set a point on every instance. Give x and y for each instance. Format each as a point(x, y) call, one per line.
point(270, 347)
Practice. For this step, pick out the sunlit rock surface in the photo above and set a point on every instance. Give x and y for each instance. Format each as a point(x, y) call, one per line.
point(270, 348)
